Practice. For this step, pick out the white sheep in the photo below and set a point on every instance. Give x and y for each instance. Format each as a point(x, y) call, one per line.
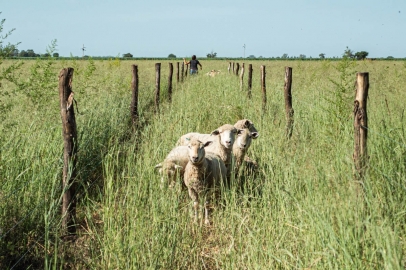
point(223, 139)
point(213, 73)
point(203, 174)
point(173, 164)
point(242, 124)
point(241, 145)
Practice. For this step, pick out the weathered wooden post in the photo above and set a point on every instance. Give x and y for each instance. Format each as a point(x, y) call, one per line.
point(170, 82)
point(233, 68)
point(157, 85)
point(361, 124)
point(229, 67)
point(288, 102)
point(177, 72)
point(186, 70)
point(263, 88)
point(69, 134)
point(181, 71)
point(242, 77)
point(134, 95)
point(249, 80)
point(237, 69)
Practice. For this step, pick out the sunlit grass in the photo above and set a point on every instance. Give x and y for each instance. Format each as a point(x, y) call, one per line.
point(300, 210)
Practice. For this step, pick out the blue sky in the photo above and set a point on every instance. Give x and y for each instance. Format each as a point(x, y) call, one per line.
point(157, 28)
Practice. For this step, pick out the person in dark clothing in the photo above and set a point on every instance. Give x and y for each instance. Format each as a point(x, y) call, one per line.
point(193, 65)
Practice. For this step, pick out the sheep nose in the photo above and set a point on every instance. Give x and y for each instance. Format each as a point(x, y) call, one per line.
point(228, 142)
point(194, 159)
point(243, 145)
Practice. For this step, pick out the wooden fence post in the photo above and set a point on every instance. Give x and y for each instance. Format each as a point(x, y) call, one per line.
point(237, 69)
point(249, 80)
point(134, 95)
point(170, 82)
point(229, 67)
point(69, 134)
point(181, 71)
point(242, 77)
point(233, 67)
point(361, 124)
point(186, 70)
point(157, 85)
point(288, 102)
point(263, 75)
point(177, 72)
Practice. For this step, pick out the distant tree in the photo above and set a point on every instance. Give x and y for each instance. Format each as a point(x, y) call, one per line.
point(171, 55)
point(348, 53)
point(212, 55)
point(302, 56)
point(361, 55)
point(55, 54)
point(46, 55)
point(390, 57)
point(251, 56)
point(127, 55)
point(285, 56)
point(322, 55)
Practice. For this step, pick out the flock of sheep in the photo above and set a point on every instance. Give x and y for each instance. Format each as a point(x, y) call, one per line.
point(204, 161)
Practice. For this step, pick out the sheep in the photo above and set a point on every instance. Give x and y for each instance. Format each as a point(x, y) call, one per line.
point(223, 140)
point(242, 124)
point(213, 73)
point(174, 163)
point(203, 173)
point(240, 147)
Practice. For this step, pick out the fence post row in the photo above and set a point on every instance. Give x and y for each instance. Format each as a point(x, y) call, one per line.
point(157, 85)
point(361, 124)
point(69, 134)
point(242, 77)
point(288, 101)
point(170, 82)
point(249, 80)
point(134, 97)
point(263, 86)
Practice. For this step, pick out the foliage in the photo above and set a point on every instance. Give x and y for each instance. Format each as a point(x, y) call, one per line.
point(348, 53)
point(285, 56)
point(361, 55)
point(322, 55)
point(171, 55)
point(127, 55)
point(212, 55)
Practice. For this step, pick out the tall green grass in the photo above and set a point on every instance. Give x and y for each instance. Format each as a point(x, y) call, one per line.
point(299, 210)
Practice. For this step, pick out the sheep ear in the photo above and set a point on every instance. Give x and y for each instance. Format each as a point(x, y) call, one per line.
point(178, 167)
point(240, 131)
point(255, 135)
point(207, 143)
point(247, 123)
point(158, 166)
point(215, 132)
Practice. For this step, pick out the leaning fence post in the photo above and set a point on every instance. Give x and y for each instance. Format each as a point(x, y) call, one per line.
point(134, 96)
point(181, 71)
point(170, 82)
point(361, 124)
point(157, 85)
point(177, 72)
point(249, 80)
point(263, 88)
point(242, 77)
point(237, 69)
point(69, 134)
point(288, 101)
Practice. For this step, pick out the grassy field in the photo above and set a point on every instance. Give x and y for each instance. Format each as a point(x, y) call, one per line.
point(299, 210)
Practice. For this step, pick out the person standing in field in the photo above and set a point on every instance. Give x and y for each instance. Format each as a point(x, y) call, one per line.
point(193, 65)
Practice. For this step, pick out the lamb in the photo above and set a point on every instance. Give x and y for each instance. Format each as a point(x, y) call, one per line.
point(213, 73)
point(241, 145)
point(174, 163)
point(203, 173)
point(222, 146)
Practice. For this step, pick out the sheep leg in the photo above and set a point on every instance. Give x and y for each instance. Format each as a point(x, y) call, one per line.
point(195, 198)
point(206, 213)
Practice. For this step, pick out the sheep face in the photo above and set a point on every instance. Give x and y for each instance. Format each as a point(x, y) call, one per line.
point(168, 172)
point(244, 138)
point(196, 150)
point(227, 135)
point(246, 123)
